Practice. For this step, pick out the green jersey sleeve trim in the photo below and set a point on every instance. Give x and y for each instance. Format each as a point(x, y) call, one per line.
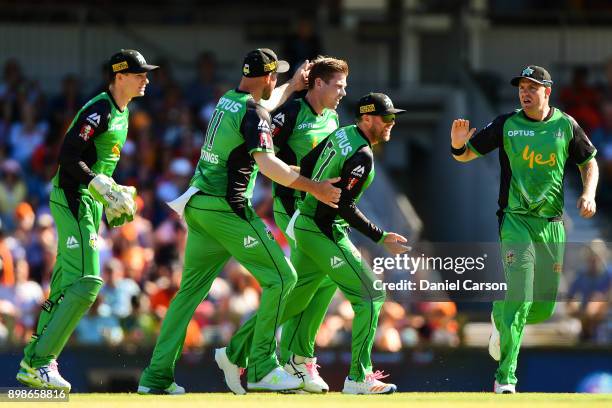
point(472, 148)
point(260, 149)
point(588, 159)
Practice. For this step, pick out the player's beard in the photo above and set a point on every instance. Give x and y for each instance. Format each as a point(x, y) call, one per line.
point(383, 135)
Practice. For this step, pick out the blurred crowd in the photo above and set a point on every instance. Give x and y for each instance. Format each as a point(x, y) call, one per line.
point(142, 261)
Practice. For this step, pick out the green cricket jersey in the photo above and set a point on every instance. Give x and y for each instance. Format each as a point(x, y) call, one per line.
point(92, 144)
point(532, 156)
point(238, 128)
point(346, 153)
point(297, 129)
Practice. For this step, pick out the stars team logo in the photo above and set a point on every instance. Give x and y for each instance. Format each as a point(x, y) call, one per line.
point(527, 71)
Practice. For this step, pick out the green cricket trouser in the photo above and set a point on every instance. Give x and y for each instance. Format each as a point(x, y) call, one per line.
point(532, 254)
point(299, 332)
point(75, 281)
point(216, 232)
point(317, 257)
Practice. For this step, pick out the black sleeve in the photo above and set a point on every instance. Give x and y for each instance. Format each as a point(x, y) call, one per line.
point(490, 137)
point(354, 173)
point(90, 123)
point(580, 148)
point(283, 122)
point(308, 162)
point(255, 128)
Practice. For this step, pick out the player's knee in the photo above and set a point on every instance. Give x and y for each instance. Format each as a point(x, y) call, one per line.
point(541, 311)
point(289, 276)
point(86, 288)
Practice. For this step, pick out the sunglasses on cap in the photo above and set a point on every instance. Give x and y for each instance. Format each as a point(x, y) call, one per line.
point(388, 118)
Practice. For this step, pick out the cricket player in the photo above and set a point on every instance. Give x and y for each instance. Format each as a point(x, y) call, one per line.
point(82, 188)
point(323, 248)
point(297, 127)
point(222, 223)
point(534, 142)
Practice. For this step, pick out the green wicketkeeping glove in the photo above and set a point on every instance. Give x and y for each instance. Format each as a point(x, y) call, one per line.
point(118, 200)
point(117, 219)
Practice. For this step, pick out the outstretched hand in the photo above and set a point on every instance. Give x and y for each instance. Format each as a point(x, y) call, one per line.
point(461, 133)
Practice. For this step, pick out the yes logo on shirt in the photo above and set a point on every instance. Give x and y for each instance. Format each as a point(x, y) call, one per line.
point(537, 158)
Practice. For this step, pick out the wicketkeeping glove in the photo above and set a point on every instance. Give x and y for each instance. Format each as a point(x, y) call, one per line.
point(116, 198)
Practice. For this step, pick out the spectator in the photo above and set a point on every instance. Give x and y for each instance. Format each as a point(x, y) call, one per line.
point(140, 327)
point(581, 100)
point(65, 105)
point(303, 44)
point(245, 299)
point(26, 135)
point(118, 290)
point(12, 191)
point(99, 326)
point(590, 292)
point(7, 277)
point(28, 296)
point(203, 89)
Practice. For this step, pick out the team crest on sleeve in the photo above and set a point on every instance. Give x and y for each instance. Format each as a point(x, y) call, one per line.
point(93, 241)
point(509, 258)
point(86, 132)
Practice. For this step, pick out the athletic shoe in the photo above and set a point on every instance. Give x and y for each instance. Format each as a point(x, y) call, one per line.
point(173, 389)
point(276, 380)
point(42, 377)
point(494, 341)
point(504, 388)
point(308, 373)
point(231, 371)
point(371, 385)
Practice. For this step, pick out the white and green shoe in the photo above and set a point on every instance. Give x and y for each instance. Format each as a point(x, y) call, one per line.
point(172, 389)
point(276, 380)
point(42, 377)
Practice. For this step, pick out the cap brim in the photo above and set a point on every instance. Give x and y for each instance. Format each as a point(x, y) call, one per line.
point(282, 66)
point(148, 67)
point(515, 81)
point(394, 110)
point(141, 69)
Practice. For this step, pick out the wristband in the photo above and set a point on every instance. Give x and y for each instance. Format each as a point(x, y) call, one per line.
point(382, 239)
point(458, 152)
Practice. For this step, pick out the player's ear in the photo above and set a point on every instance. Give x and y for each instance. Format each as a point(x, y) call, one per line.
point(548, 91)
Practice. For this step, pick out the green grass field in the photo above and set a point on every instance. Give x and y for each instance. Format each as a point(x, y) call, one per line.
point(404, 400)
